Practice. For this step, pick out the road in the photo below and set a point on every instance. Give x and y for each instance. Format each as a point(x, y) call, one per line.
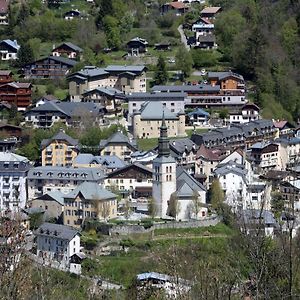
point(183, 38)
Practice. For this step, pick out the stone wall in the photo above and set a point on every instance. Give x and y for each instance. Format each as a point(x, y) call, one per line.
point(134, 229)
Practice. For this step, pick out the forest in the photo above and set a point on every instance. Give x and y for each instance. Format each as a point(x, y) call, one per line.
point(261, 40)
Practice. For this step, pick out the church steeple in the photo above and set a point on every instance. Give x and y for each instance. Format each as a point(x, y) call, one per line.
point(163, 141)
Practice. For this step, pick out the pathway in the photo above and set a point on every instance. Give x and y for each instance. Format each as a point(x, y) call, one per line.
point(183, 38)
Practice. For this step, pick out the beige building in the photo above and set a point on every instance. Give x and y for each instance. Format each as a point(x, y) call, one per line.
point(127, 79)
point(52, 203)
point(146, 121)
point(120, 145)
point(60, 150)
point(89, 200)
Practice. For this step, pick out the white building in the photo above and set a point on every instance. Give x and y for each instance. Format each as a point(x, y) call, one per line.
point(172, 181)
point(42, 180)
point(13, 169)
point(249, 112)
point(56, 244)
point(9, 49)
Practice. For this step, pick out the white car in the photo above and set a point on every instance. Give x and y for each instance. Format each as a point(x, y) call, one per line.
point(171, 61)
point(203, 72)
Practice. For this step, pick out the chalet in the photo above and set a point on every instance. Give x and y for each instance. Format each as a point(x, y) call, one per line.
point(247, 113)
point(6, 76)
point(67, 49)
point(16, 93)
point(290, 191)
point(69, 113)
point(197, 117)
point(4, 12)
point(72, 14)
point(44, 99)
point(162, 47)
point(9, 49)
point(210, 12)
point(227, 80)
point(177, 8)
point(134, 180)
point(127, 79)
point(284, 128)
point(265, 155)
point(9, 130)
point(204, 34)
point(136, 46)
point(109, 97)
point(52, 67)
point(118, 144)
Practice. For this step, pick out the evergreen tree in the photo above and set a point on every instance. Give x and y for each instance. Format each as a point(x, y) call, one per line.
point(105, 9)
point(23, 14)
point(161, 73)
point(25, 55)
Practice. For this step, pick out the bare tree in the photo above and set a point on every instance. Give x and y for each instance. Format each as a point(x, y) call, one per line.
point(174, 206)
point(196, 203)
point(152, 208)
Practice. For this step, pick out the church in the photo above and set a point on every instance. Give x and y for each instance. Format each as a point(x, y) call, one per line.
point(173, 183)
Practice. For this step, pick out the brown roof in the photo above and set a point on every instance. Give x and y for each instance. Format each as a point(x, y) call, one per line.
point(210, 10)
point(177, 5)
point(275, 175)
point(3, 6)
point(5, 72)
point(209, 154)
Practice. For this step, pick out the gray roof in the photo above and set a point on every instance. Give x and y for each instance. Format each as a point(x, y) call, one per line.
point(138, 39)
point(12, 43)
point(66, 173)
point(12, 157)
point(90, 191)
point(121, 69)
point(231, 168)
point(223, 75)
point(56, 231)
point(186, 184)
point(71, 46)
point(67, 61)
point(60, 136)
point(69, 109)
point(199, 88)
point(178, 146)
point(155, 111)
point(53, 195)
point(156, 96)
point(108, 161)
point(256, 216)
point(110, 91)
point(118, 138)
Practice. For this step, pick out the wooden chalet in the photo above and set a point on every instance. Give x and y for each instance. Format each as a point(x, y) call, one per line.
point(52, 67)
point(9, 130)
point(16, 93)
point(6, 76)
point(67, 49)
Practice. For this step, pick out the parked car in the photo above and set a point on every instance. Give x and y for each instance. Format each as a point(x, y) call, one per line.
point(171, 60)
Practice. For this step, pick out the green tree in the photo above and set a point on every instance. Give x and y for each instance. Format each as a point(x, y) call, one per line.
point(112, 31)
point(184, 62)
point(25, 55)
point(105, 9)
point(161, 73)
point(216, 194)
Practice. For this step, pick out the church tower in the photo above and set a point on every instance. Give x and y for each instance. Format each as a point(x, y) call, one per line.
point(164, 173)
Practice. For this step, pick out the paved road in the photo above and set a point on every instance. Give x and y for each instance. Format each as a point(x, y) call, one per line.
point(183, 38)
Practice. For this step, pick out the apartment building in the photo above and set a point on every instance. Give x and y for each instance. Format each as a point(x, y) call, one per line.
point(60, 150)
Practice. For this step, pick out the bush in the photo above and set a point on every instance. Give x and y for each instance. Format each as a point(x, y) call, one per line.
point(127, 243)
point(204, 58)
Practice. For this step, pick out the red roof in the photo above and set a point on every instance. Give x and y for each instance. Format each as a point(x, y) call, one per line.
point(3, 6)
point(279, 124)
point(178, 5)
point(208, 154)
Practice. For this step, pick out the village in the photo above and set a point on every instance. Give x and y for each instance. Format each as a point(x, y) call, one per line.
point(112, 164)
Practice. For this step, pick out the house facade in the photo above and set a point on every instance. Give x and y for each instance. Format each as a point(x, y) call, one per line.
point(134, 180)
point(89, 201)
point(118, 144)
point(16, 93)
point(56, 244)
point(42, 180)
point(9, 49)
point(247, 113)
point(67, 49)
point(60, 150)
point(127, 79)
point(69, 113)
point(13, 174)
point(137, 46)
point(174, 102)
point(4, 12)
point(147, 120)
point(52, 67)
